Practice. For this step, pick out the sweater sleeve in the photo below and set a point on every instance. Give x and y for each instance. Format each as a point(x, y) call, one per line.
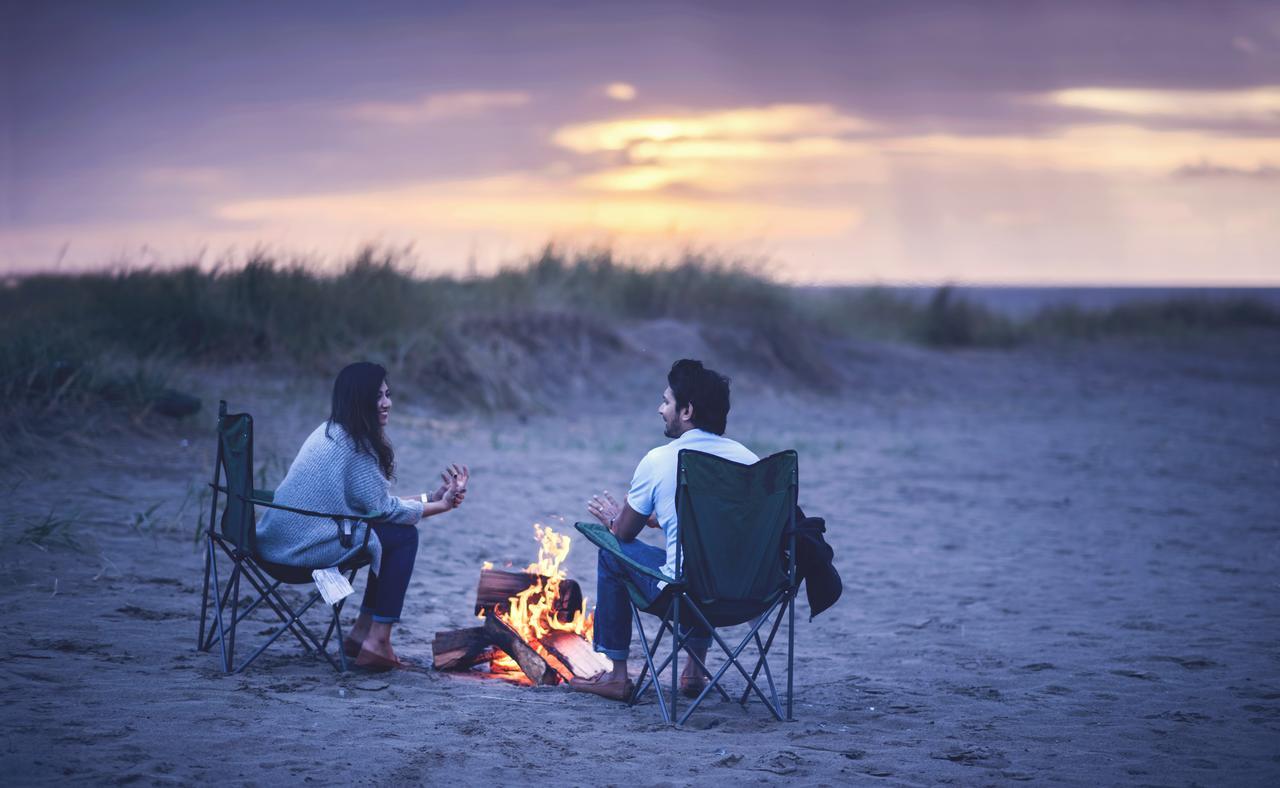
point(369, 492)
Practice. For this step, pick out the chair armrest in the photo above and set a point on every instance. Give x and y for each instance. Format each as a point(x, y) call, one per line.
point(264, 495)
point(604, 539)
point(270, 504)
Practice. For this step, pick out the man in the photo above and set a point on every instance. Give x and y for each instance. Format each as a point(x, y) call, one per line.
point(694, 409)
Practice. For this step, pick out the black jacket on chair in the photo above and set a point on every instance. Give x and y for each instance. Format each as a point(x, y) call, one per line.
point(814, 564)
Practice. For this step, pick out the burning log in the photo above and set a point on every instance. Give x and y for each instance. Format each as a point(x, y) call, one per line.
point(530, 661)
point(460, 649)
point(497, 586)
point(576, 654)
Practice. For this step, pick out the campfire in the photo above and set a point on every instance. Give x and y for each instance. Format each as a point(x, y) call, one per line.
point(535, 622)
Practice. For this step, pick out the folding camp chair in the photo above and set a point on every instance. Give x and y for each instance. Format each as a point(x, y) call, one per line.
point(235, 537)
point(735, 563)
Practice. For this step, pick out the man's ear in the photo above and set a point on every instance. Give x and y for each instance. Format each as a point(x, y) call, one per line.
point(686, 413)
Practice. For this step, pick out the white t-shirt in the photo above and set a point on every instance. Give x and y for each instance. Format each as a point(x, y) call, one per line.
point(653, 487)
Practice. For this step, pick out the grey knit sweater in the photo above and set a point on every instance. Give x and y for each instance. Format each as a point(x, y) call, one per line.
point(329, 475)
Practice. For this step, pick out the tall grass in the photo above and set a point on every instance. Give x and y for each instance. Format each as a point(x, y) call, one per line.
point(115, 336)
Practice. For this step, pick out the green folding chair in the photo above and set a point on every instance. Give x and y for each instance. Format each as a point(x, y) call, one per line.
point(234, 536)
point(735, 563)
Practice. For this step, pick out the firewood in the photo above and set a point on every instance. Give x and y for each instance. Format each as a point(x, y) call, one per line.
point(530, 661)
point(496, 586)
point(576, 654)
point(460, 649)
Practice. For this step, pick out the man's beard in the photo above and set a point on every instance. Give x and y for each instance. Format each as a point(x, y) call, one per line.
point(669, 429)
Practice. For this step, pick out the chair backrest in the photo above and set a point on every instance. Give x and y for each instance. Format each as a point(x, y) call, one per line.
point(235, 455)
point(733, 520)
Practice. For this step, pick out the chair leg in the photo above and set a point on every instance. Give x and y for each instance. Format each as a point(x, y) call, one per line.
point(733, 654)
point(328, 633)
point(218, 605)
point(675, 652)
point(268, 590)
point(263, 596)
point(235, 607)
point(791, 652)
point(215, 636)
point(337, 624)
point(204, 598)
point(649, 666)
point(764, 650)
point(294, 619)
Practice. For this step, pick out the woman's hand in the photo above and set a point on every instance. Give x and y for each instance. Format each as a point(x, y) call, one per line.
point(454, 471)
point(454, 491)
point(604, 508)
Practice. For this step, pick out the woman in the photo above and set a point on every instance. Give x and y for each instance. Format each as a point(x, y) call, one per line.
point(346, 465)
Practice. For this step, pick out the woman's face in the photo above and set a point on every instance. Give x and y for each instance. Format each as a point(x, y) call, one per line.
point(384, 403)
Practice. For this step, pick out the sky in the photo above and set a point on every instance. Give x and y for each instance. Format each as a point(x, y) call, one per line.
point(1012, 142)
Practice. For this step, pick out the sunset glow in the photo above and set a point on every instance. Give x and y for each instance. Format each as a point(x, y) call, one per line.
point(479, 139)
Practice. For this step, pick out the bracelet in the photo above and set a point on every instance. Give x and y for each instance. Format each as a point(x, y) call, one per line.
point(425, 498)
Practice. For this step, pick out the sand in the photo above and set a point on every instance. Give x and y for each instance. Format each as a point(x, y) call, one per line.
point(1060, 567)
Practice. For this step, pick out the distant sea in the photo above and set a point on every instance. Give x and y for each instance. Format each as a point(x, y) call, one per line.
point(1018, 302)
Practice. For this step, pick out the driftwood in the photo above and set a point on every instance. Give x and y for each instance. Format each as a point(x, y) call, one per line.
point(496, 586)
point(530, 661)
point(575, 654)
point(460, 649)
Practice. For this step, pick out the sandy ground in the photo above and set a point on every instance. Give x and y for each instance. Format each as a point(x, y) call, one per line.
point(1060, 566)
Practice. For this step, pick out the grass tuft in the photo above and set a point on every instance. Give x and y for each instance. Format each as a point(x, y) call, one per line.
point(496, 342)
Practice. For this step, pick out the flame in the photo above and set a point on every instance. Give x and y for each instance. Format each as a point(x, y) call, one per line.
point(532, 613)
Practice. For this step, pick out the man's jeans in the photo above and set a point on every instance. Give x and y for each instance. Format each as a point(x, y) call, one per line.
point(613, 612)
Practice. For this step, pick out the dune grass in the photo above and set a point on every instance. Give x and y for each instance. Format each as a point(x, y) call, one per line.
point(116, 336)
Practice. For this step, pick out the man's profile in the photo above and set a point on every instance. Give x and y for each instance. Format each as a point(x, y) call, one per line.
point(694, 411)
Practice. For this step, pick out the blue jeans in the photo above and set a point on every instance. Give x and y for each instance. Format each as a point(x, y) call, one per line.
point(613, 610)
point(384, 593)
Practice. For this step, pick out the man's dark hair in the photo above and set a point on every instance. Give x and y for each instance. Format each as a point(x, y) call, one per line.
point(706, 389)
point(355, 409)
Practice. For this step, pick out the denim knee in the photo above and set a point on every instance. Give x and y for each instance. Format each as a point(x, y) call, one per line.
point(608, 564)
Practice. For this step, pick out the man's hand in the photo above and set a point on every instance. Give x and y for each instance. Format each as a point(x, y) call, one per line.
point(604, 508)
point(622, 520)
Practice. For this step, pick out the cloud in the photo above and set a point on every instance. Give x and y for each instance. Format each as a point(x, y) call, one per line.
point(620, 91)
point(777, 147)
point(1245, 45)
point(1254, 105)
point(736, 165)
point(749, 123)
point(1207, 169)
point(439, 107)
point(1114, 149)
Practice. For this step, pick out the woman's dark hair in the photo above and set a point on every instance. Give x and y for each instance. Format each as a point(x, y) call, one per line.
point(706, 389)
point(355, 409)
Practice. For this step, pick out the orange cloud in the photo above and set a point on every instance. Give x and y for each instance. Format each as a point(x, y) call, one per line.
point(1260, 104)
point(750, 123)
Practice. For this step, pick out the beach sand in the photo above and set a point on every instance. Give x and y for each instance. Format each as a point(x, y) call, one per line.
point(1061, 565)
